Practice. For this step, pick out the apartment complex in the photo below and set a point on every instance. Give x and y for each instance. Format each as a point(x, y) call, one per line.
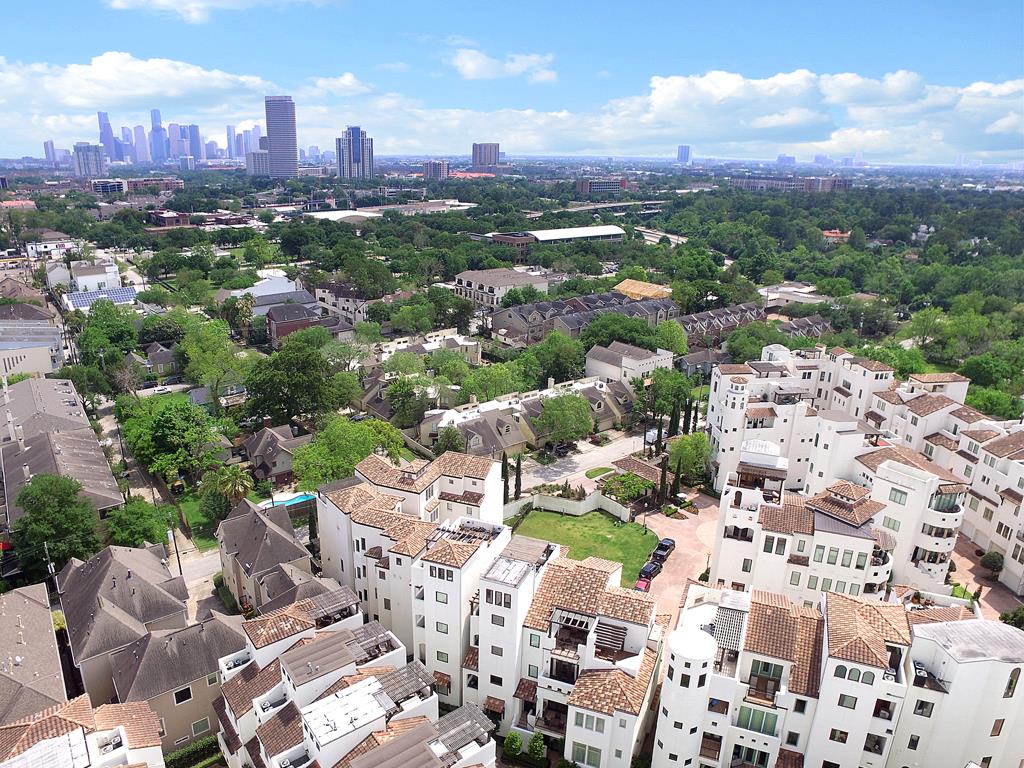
point(435, 170)
point(755, 679)
point(603, 187)
point(792, 183)
point(625, 362)
point(257, 162)
point(355, 154)
point(487, 287)
point(486, 155)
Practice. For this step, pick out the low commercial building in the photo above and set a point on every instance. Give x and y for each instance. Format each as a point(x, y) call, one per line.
point(792, 183)
point(83, 300)
point(158, 183)
point(602, 187)
point(164, 218)
point(522, 241)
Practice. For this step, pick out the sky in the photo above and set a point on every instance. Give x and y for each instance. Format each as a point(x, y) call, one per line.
point(904, 81)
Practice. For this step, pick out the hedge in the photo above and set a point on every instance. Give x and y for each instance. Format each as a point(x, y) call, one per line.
point(194, 754)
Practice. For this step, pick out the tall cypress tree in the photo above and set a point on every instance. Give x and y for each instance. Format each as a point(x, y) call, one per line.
point(504, 475)
point(673, 421)
point(675, 478)
point(687, 419)
point(519, 475)
point(663, 485)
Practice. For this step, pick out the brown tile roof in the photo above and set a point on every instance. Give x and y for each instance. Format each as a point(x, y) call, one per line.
point(380, 471)
point(611, 690)
point(1007, 445)
point(980, 435)
point(733, 368)
point(943, 441)
point(760, 412)
point(368, 506)
point(924, 405)
point(911, 458)
point(889, 396)
point(58, 720)
point(452, 553)
point(859, 629)
point(471, 659)
point(939, 614)
point(1011, 495)
point(849, 490)
point(249, 684)
point(856, 513)
point(938, 378)
point(642, 469)
point(583, 586)
point(278, 625)
point(873, 365)
point(968, 414)
point(526, 690)
point(141, 724)
point(781, 629)
point(226, 729)
point(792, 516)
point(282, 731)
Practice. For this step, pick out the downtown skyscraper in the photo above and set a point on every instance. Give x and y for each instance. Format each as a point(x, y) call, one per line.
point(157, 138)
point(282, 143)
point(355, 154)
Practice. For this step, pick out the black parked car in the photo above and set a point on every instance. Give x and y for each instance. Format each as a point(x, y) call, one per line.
point(663, 550)
point(650, 570)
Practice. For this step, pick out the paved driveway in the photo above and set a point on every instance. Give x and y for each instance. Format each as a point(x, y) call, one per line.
point(574, 466)
point(695, 538)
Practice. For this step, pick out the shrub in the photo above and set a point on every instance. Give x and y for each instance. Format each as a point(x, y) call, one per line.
point(513, 745)
point(705, 576)
point(536, 748)
point(993, 561)
point(196, 752)
point(264, 489)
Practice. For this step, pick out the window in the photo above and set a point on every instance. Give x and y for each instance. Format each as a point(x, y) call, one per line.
point(780, 546)
point(792, 738)
point(684, 681)
point(794, 578)
point(826, 585)
point(850, 702)
point(1011, 684)
point(163, 728)
point(868, 679)
point(854, 675)
point(671, 671)
point(840, 671)
point(442, 628)
point(387, 604)
point(847, 558)
point(200, 726)
point(701, 681)
point(812, 582)
point(854, 589)
point(819, 553)
point(891, 523)
point(800, 706)
point(912, 744)
point(496, 680)
point(211, 679)
point(501, 599)
point(769, 544)
point(923, 708)
point(862, 561)
point(534, 640)
point(997, 727)
point(757, 720)
point(833, 555)
point(586, 755)
point(185, 694)
point(838, 736)
point(442, 656)
point(441, 597)
point(622, 722)
point(497, 650)
point(498, 621)
point(898, 496)
point(746, 565)
point(532, 671)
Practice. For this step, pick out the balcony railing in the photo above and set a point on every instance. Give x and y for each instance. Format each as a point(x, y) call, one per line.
point(710, 747)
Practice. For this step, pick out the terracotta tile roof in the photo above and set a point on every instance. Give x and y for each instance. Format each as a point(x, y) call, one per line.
point(911, 458)
point(938, 378)
point(282, 731)
point(249, 684)
point(611, 690)
point(1007, 445)
point(781, 629)
point(140, 722)
point(859, 629)
point(58, 720)
point(452, 553)
point(873, 365)
point(411, 537)
point(583, 586)
point(526, 690)
point(943, 441)
point(980, 435)
point(252, 746)
point(761, 412)
point(924, 405)
point(648, 472)
point(471, 659)
point(1011, 495)
point(856, 513)
point(494, 704)
point(382, 472)
point(889, 396)
point(368, 506)
point(837, 351)
point(731, 369)
point(849, 490)
point(939, 614)
point(792, 516)
point(227, 730)
point(278, 625)
point(968, 414)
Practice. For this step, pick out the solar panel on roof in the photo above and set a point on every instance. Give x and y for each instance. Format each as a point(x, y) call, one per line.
point(83, 299)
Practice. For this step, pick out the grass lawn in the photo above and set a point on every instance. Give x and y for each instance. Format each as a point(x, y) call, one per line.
point(597, 472)
point(960, 591)
point(597, 534)
point(202, 527)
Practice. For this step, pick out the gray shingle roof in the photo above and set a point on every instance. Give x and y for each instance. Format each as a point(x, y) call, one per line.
point(259, 539)
point(26, 631)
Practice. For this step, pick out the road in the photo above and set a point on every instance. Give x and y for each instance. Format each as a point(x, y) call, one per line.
point(574, 466)
point(653, 236)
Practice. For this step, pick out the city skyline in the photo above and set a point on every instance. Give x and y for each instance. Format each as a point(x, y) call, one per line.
point(755, 83)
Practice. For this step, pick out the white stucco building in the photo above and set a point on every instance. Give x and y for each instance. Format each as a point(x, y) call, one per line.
point(625, 362)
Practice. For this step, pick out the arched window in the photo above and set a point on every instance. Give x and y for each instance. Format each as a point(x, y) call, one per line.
point(1011, 684)
point(854, 675)
point(840, 671)
point(868, 679)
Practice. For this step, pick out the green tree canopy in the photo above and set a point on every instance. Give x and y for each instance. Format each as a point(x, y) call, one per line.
point(565, 418)
point(339, 446)
point(138, 522)
point(561, 358)
point(689, 456)
point(294, 381)
point(449, 439)
point(54, 514)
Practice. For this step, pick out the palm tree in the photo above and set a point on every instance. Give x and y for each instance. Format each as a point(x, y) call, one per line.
point(233, 483)
point(245, 306)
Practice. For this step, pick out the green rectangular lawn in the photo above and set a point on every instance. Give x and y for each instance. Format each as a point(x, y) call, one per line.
point(202, 528)
point(594, 534)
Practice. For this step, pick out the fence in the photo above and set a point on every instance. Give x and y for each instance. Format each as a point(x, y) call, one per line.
point(575, 507)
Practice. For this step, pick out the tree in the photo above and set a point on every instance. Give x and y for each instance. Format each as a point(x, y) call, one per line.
point(339, 446)
point(407, 402)
point(747, 342)
point(232, 482)
point(987, 370)
point(519, 475)
point(993, 402)
point(55, 517)
point(245, 306)
point(404, 364)
point(670, 335)
point(276, 389)
point(184, 439)
point(347, 388)
point(926, 326)
point(513, 744)
point(536, 748)
point(993, 562)
point(450, 364)
point(564, 419)
point(342, 355)
point(258, 252)
point(663, 481)
point(689, 455)
point(212, 359)
point(614, 327)
point(449, 439)
point(1014, 618)
point(367, 334)
point(560, 357)
point(136, 523)
point(490, 381)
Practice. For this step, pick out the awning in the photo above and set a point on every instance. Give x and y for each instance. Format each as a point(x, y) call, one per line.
point(874, 416)
point(495, 705)
point(772, 473)
point(526, 690)
point(565, 653)
point(442, 679)
point(761, 413)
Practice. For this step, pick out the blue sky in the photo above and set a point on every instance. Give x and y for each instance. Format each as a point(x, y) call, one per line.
point(898, 81)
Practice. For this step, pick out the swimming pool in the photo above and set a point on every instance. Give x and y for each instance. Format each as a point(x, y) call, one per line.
point(287, 499)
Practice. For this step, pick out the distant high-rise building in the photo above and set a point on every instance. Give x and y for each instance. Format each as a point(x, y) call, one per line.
point(106, 134)
point(282, 144)
point(142, 154)
point(212, 150)
point(126, 135)
point(49, 151)
point(486, 155)
point(195, 143)
point(435, 169)
point(313, 153)
point(177, 140)
point(186, 163)
point(247, 146)
point(239, 146)
point(157, 138)
point(257, 134)
point(355, 154)
point(231, 140)
point(788, 160)
point(257, 163)
point(683, 154)
point(823, 160)
point(89, 159)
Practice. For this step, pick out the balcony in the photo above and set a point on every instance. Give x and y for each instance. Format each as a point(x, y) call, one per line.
point(553, 718)
point(883, 710)
point(711, 746)
point(739, 534)
point(762, 690)
point(563, 672)
point(718, 706)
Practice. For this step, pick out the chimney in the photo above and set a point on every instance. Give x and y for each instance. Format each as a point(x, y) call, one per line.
point(267, 422)
point(472, 399)
point(26, 472)
point(20, 434)
point(551, 382)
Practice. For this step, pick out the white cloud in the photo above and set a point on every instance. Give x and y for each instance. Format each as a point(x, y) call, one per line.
point(473, 64)
point(197, 11)
point(345, 84)
point(394, 66)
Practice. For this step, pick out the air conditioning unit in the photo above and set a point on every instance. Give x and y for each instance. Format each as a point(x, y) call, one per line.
point(890, 674)
point(265, 706)
point(284, 762)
